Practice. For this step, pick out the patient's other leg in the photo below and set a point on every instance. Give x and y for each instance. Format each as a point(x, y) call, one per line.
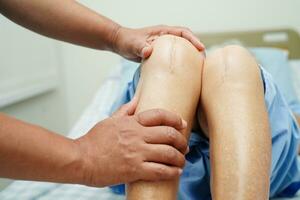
point(238, 129)
point(171, 80)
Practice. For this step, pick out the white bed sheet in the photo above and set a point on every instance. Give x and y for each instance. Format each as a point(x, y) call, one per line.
point(97, 110)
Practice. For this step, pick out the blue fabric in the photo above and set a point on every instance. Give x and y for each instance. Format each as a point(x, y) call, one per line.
point(285, 170)
point(275, 61)
point(285, 167)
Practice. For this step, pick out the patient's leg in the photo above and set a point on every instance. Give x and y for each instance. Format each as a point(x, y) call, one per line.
point(238, 129)
point(171, 80)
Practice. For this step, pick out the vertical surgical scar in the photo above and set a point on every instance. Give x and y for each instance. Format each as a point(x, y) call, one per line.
point(172, 55)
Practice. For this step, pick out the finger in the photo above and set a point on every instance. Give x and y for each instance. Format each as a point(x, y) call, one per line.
point(152, 38)
point(181, 32)
point(157, 117)
point(136, 59)
point(187, 34)
point(127, 109)
point(122, 111)
point(138, 46)
point(155, 172)
point(166, 135)
point(160, 153)
point(174, 31)
point(156, 30)
point(193, 39)
point(146, 51)
point(133, 104)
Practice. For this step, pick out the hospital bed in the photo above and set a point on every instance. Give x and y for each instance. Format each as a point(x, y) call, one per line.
point(101, 106)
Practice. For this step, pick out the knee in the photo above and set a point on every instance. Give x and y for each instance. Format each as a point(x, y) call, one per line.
point(176, 55)
point(232, 64)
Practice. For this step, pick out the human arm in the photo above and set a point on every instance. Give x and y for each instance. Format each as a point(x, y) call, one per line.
point(29, 152)
point(32, 153)
point(69, 21)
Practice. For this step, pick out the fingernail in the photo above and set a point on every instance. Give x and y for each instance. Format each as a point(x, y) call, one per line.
point(143, 52)
point(184, 123)
point(180, 171)
point(187, 150)
point(202, 46)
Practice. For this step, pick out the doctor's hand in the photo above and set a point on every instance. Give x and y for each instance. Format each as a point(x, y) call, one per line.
point(126, 147)
point(135, 44)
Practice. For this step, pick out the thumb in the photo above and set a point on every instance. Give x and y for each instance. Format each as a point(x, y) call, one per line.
point(127, 109)
point(146, 51)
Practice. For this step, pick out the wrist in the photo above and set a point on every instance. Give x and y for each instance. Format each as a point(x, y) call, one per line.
point(78, 167)
point(84, 165)
point(112, 44)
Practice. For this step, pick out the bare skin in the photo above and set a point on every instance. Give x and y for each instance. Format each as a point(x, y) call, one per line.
point(232, 110)
point(168, 69)
point(72, 22)
point(30, 152)
point(238, 128)
point(33, 153)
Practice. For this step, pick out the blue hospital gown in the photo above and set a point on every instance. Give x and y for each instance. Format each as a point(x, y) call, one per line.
point(285, 169)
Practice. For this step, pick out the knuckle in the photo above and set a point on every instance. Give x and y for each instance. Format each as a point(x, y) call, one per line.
point(128, 143)
point(124, 137)
point(160, 171)
point(171, 155)
point(158, 112)
point(171, 134)
point(130, 164)
point(130, 150)
point(127, 159)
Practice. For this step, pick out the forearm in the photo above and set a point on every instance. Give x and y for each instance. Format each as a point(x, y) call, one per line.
point(32, 153)
point(65, 20)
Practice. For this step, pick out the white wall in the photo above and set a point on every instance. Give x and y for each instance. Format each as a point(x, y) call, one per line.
point(26, 54)
point(202, 15)
point(81, 70)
